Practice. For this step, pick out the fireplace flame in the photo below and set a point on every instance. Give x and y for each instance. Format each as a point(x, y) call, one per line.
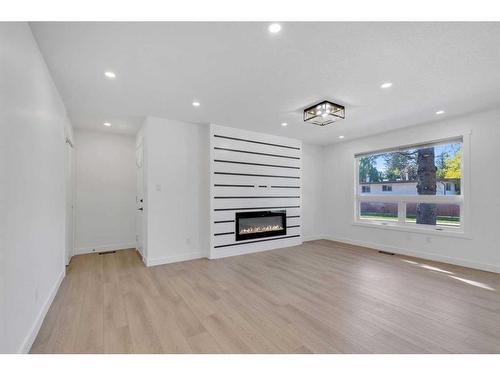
point(260, 229)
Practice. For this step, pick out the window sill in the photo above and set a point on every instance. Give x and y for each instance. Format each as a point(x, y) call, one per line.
point(458, 233)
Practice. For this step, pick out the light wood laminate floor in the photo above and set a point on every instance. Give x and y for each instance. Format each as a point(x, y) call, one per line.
point(320, 297)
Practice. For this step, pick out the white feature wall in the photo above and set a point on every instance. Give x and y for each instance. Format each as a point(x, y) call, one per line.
point(481, 250)
point(252, 171)
point(105, 191)
point(176, 205)
point(34, 125)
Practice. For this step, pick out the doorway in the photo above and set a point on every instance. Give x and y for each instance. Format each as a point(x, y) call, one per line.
point(70, 200)
point(140, 201)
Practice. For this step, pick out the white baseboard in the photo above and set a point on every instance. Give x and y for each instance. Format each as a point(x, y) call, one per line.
point(315, 237)
point(419, 254)
point(99, 248)
point(141, 254)
point(30, 338)
point(175, 258)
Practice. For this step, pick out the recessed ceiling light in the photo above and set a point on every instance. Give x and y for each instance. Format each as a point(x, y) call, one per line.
point(274, 28)
point(284, 124)
point(196, 104)
point(440, 112)
point(341, 137)
point(386, 85)
point(110, 74)
point(108, 124)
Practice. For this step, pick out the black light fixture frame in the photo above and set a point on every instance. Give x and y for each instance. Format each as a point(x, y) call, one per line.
point(311, 117)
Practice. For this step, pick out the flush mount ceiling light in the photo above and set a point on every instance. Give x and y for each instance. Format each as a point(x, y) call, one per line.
point(341, 137)
point(274, 28)
point(324, 113)
point(386, 85)
point(110, 75)
point(196, 104)
point(440, 112)
point(284, 124)
point(108, 124)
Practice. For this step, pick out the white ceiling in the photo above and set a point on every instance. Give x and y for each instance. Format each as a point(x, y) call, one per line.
point(245, 77)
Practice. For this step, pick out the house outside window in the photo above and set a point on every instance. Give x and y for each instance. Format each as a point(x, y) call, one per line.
point(412, 187)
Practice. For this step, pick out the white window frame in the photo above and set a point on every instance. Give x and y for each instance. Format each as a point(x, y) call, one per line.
point(463, 200)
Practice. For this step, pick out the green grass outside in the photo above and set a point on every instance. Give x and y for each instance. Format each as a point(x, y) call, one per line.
point(382, 216)
point(441, 220)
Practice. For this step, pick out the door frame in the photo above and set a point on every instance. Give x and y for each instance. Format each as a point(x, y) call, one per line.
point(69, 183)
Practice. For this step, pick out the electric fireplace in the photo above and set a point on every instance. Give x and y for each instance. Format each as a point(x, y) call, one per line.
point(258, 224)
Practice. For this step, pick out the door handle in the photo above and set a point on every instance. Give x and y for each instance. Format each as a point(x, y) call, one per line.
point(141, 209)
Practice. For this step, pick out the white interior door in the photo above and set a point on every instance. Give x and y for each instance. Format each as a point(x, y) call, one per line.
point(70, 205)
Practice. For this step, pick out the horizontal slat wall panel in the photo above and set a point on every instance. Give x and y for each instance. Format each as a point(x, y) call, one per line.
point(293, 221)
point(230, 239)
point(256, 159)
point(224, 204)
point(257, 246)
point(253, 172)
point(258, 137)
point(224, 227)
point(222, 191)
point(229, 215)
point(284, 153)
point(220, 179)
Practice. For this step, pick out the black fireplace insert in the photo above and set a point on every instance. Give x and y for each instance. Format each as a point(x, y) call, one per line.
point(258, 224)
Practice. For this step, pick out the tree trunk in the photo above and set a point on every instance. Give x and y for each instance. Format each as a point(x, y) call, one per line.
point(426, 185)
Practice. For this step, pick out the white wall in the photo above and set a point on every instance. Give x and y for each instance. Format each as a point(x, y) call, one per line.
point(176, 186)
point(313, 198)
point(176, 190)
point(482, 250)
point(34, 123)
point(105, 191)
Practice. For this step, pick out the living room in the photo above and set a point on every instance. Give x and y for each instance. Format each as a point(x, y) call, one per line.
point(259, 187)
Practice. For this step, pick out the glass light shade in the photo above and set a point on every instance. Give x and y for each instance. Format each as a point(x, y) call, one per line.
point(324, 113)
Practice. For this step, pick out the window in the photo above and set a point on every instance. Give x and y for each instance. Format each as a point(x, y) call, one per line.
point(426, 178)
point(379, 211)
point(446, 214)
